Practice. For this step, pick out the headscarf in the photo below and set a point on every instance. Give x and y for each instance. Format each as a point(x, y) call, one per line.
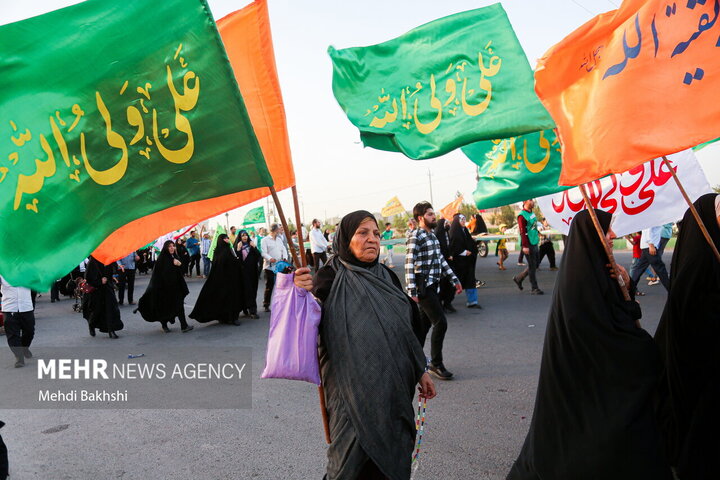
point(598, 376)
point(479, 226)
point(341, 243)
point(222, 248)
point(688, 339)
point(244, 246)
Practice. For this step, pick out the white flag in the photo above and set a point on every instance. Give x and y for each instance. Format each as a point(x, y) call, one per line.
point(644, 197)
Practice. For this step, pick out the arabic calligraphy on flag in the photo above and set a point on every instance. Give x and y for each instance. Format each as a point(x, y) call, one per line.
point(633, 84)
point(456, 80)
point(514, 169)
point(643, 197)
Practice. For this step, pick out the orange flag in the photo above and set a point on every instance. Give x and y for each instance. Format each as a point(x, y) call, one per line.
point(633, 84)
point(449, 210)
point(248, 42)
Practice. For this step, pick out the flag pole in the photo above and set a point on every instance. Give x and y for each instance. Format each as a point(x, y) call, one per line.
point(301, 245)
point(608, 250)
point(301, 241)
point(283, 221)
point(692, 209)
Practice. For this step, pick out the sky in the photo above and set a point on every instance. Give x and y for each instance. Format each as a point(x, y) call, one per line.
point(335, 174)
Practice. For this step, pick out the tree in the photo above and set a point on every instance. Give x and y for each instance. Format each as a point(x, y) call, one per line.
point(467, 209)
point(716, 188)
point(507, 216)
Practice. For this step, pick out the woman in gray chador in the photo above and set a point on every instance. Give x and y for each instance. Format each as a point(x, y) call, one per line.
point(370, 356)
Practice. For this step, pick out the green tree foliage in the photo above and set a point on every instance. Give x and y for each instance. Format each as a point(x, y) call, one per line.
point(507, 216)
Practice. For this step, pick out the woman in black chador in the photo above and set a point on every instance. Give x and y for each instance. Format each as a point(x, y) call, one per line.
point(250, 265)
point(165, 294)
point(370, 356)
point(687, 336)
point(184, 256)
point(221, 296)
point(464, 258)
point(593, 417)
point(100, 307)
point(447, 289)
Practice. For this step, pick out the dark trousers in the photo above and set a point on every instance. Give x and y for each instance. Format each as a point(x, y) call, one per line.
point(317, 257)
point(549, 250)
point(194, 262)
point(520, 257)
point(269, 285)
point(3, 458)
point(20, 330)
point(661, 248)
point(127, 279)
point(432, 315)
point(655, 261)
point(532, 261)
point(447, 291)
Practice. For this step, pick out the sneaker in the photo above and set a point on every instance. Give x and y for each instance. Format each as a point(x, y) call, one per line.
point(521, 264)
point(28, 353)
point(653, 282)
point(439, 372)
point(479, 284)
point(537, 291)
point(449, 308)
point(19, 362)
point(518, 283)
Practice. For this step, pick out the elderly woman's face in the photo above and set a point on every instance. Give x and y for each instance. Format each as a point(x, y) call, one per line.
point(365, 243)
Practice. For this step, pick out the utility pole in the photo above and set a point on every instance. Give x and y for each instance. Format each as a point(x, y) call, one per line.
point(227, 222)
point(430, 181)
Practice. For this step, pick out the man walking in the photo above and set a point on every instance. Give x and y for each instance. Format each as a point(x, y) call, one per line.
point(273, 250)
point(318, 244)
point(127, 277)
point(529, 237)
point(17, 309)
point(193, 246)
point(424, 268)
point(388, 235)
point(204, 250)
point(650, 255)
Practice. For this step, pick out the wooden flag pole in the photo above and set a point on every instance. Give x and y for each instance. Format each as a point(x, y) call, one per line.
point(608, 250)
point(283, 221)
point(301, 246)
point(692, 209)
point(301, 241)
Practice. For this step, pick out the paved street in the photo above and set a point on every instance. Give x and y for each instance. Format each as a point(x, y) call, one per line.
point(474, 430)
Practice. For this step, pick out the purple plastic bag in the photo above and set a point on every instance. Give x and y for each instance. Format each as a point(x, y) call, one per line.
point(292, 342)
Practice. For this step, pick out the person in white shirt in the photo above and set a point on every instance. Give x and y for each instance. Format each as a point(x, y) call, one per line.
point(18, 310)
point(318, 244)
point(272, 250)
point(649, 244)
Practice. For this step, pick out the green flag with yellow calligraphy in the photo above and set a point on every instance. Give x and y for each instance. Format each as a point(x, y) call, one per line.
point(454, 81)
point(111, 111)
point(516, 169)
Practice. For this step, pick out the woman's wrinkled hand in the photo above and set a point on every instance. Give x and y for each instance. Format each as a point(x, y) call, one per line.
point(427, 387)
point(303, 278)
point(621, 270)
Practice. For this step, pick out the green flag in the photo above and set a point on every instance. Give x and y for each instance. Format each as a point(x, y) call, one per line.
point(515, 169)
point(256, 215)
point(111, 111)
point(218, 231)
point(705, 144)
point(451, 82)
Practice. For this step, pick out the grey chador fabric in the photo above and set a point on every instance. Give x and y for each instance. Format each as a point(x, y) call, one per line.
point(370, 362)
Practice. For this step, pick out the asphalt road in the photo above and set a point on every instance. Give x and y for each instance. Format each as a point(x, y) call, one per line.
point(474, 429)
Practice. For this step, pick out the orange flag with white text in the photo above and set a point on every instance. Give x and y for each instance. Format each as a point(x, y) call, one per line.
point(248, 43)
point(633, 84)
